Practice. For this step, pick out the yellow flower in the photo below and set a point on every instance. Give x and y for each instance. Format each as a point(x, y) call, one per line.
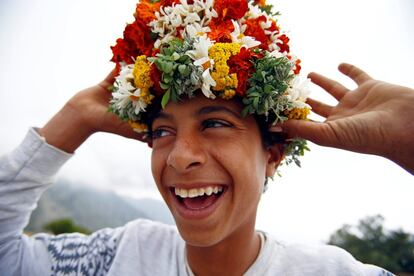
point(297, 113)
point(142, 69)
point(220, 53)
point(138, 127)
point(228, 94)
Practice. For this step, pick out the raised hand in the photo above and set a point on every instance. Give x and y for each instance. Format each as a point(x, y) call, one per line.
point(375, 118)
point(84, 114)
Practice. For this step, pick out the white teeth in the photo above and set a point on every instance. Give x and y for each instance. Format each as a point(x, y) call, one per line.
point(209, 191)
point(191, 193)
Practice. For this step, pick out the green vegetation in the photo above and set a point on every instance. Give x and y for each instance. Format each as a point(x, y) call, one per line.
point(65, 225)
point(370, 243)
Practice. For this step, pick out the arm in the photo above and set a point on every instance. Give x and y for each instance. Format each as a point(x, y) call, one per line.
point(26, 173)
point(83, 115)
point(375, 118)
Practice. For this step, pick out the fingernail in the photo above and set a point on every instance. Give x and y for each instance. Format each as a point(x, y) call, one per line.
point(276, 129)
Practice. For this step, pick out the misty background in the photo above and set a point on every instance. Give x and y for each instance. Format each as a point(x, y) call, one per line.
point(50, 49)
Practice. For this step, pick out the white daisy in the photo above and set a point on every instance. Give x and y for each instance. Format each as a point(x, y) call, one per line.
point(298, 93)
point(200, 53)
point(201, 58)
point(168, 19)
point(208, 82)
point(196, 29)
point(126, 92)
point(237, 36)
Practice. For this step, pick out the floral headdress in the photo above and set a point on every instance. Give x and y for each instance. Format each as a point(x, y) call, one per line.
point(223, 48)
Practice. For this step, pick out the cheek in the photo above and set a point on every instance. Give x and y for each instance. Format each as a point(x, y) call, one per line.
point(245, 160)
point(157, 165)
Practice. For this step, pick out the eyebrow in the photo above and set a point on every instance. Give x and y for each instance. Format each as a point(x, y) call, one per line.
point(217, 108)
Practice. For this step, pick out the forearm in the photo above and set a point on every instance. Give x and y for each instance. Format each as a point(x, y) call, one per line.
point(66, 129)
point(24, 174)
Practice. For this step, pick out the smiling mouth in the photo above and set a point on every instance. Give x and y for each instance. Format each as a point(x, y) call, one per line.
point(198, 199)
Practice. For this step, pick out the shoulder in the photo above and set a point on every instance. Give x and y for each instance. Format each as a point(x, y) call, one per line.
point(97, 251)
point(303, 259)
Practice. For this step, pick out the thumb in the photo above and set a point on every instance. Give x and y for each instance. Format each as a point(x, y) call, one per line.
point(316, 132)
point(110, 78)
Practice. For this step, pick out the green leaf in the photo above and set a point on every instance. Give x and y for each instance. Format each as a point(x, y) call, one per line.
point(182, 69)
point(164, 85)
point(245, 111)
point(268, 88)
point(165, 98)
point(166, 78)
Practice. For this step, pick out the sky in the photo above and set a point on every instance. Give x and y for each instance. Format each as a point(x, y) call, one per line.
point(50, 49)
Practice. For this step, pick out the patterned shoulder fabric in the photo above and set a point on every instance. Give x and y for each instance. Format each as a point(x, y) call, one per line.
point(77, 254)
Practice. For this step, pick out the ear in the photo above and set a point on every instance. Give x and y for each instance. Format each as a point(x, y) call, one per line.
point(275, 156)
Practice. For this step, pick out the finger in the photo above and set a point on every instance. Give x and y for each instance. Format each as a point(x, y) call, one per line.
point(320, 108)
point(332, 87)
point(318, 133)
point(356, 74)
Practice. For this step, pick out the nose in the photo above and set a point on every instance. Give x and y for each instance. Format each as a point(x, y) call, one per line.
point(186, 155)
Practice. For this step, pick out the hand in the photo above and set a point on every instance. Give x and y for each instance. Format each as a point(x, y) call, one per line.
point(375, 118)
point(84, 114)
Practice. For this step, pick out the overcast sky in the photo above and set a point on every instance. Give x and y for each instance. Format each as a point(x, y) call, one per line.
point(51, 49)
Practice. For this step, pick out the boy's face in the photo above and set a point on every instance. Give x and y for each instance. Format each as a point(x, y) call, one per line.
point(204, 146)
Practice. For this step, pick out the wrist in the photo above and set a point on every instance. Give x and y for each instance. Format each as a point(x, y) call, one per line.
point(66, 130)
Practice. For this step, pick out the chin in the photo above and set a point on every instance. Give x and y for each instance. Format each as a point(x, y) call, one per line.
point(200, 236)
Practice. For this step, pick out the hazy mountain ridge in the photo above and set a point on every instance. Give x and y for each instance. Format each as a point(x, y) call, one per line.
point(92, 208)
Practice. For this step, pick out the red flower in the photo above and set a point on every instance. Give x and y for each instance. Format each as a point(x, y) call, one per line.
point(137, 41)
point(166, 3)
point(242, 65)
point(284, 46)
point(123, 51)
point(230, 9)
point(297, 67)
point(273, 27)
point(255, 30)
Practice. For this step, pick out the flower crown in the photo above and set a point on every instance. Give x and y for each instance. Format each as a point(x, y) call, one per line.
point(223, 48)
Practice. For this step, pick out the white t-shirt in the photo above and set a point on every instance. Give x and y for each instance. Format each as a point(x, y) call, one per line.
point(141, 247)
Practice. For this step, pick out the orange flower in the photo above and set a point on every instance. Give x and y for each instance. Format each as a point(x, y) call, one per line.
point(145, 11)
point(220, 30)
point(230, 9)
point(255, 30)
point(260, 3)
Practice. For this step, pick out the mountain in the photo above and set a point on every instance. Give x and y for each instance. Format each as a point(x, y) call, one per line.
point(92, 208)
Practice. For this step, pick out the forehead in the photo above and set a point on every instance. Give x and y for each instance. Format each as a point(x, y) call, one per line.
point(199, 106)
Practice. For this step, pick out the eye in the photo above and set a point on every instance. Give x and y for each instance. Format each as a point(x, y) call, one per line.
point(214, 123)
point(160, 132)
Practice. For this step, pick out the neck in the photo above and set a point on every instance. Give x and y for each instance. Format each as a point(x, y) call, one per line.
point(232, 256)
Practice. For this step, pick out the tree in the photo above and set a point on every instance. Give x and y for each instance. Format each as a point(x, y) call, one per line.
point(65, 225)
point(369, 242)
